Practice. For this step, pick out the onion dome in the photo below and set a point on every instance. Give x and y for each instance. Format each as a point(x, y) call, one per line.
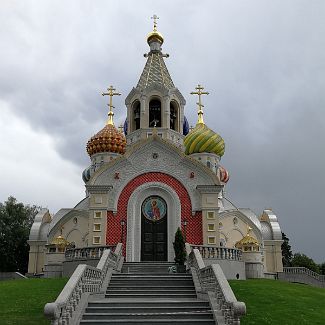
point(248, 243)
point(86, 174)
point(201, 138)
point(186, 126)
point(109, 139)
point(155, 36)
point(223, 174)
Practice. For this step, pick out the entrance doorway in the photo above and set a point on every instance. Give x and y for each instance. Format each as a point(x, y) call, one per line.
point(154, 229)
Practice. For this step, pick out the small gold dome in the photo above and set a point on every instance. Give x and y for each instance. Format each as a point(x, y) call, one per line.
point(248, 243)
point(155, 36)
point(60, 242)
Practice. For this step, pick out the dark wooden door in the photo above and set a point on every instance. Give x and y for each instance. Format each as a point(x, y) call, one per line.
point(154, 229)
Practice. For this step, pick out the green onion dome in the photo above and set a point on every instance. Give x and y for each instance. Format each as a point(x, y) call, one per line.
point(203, 139)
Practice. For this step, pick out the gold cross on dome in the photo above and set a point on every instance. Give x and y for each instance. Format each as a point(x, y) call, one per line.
point(111, 92)
point(155, 17)
point(199, 92)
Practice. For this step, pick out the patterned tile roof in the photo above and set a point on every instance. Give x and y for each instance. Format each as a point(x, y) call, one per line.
point(155, 72)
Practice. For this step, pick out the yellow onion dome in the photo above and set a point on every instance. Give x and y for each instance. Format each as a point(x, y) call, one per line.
point(109, 139)
point(203, 139)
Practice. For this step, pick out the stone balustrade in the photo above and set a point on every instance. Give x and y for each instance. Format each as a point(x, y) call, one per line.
point(304, 270)
point(218, 252)
point(302, 275)
point(212, 281)
point(95, 252)
point(85, 280)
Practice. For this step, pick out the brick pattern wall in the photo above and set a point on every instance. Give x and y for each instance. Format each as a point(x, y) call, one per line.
point(194, 223)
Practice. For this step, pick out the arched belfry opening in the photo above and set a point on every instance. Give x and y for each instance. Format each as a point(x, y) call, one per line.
point(136, 115)
point(174, 116)
point(155, 113)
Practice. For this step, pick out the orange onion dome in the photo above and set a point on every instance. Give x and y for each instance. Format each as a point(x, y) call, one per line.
point(109, 139)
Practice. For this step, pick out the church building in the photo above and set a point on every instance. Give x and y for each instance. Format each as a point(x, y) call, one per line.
point(149, 178)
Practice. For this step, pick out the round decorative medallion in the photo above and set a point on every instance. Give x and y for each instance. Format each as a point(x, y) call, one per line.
point(154, 208)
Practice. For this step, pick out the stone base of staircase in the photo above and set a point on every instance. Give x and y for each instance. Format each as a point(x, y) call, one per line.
point(145, 293)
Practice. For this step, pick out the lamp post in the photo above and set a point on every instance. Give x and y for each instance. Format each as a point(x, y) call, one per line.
point(185, 224)
point(122, 229)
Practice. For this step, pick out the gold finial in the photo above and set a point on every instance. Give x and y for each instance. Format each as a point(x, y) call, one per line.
point(154, 17)
point(110, 93)
point(199, 92)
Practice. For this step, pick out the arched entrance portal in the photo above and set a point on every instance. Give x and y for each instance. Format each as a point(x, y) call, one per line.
point(154, 229)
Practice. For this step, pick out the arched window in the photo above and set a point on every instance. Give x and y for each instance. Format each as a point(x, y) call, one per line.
point(136, 115)
point(173, 116)
point(154, 113)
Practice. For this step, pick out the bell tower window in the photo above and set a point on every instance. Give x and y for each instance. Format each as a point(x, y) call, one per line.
point(173, 116)
point(136, 115)
point(155, 113)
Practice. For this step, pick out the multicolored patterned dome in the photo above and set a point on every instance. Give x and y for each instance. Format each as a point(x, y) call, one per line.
point(223, 174)
point(109, 139)
point(203, 139)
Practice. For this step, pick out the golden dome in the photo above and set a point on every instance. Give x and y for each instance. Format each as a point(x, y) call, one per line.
point(109, 139)
point(155, 36)
point(60, 242)
point(248, 242)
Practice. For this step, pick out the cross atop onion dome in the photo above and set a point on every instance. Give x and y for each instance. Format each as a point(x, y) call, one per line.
point(110, 93)
point(109, 139)
point(199, 92)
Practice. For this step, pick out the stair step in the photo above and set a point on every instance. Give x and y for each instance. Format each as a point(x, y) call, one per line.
point(156, 275)
point(149, 303)
point(154, 292)
point(134, 287)
point(145, 309)
point(175, 315)
point(150, 321)
point(153, 295)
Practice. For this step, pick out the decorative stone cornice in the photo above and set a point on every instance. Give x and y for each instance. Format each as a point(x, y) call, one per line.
point(203, 189)
point(98, 189)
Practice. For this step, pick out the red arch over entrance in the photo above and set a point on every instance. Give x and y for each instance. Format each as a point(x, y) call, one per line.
point(194, 223)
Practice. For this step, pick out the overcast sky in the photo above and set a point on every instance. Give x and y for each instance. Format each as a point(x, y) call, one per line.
point(263, 63)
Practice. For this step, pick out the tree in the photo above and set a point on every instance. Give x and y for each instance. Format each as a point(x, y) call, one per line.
point(179, 248)
point(286, 251)
point(16, 220)
point(322, 268)
point(305, 261)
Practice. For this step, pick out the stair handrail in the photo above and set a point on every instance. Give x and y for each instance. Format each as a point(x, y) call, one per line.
point(85, 279)
point(212, 279)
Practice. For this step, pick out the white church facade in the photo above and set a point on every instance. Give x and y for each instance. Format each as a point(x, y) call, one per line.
point(149, 179)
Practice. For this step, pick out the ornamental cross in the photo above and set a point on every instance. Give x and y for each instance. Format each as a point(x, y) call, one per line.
point(199, 92)
point(111, 92)
point(154, 17)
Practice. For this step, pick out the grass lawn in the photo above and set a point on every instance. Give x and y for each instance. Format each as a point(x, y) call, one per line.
point(267, 301)
point(22, 301)
point(280, 303)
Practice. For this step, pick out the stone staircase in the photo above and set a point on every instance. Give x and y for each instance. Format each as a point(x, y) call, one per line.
point(145, 293)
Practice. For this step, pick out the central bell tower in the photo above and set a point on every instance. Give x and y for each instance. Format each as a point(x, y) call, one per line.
point(155, 105)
